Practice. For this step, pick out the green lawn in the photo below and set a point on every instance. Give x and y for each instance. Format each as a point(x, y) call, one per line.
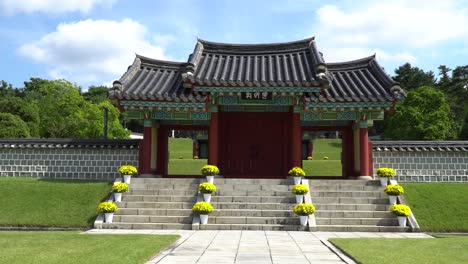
point(181, 160)
point(327, 147)
point(51, 203)
point(446, 249)
point(72, 247)
point(439, 207)
point(322, 167)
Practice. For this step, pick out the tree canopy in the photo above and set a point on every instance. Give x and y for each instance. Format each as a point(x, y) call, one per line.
point(423, 115)
point(11, 126)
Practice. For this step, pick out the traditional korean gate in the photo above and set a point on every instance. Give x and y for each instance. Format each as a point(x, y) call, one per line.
point(254, 145)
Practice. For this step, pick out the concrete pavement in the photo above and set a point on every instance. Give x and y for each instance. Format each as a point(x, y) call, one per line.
point(241, 246)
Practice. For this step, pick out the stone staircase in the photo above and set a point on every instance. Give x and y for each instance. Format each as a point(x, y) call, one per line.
point(157, 203)
point(253, 204)
point(352, 206)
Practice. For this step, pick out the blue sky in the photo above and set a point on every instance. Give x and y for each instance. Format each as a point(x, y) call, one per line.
point(91, 42)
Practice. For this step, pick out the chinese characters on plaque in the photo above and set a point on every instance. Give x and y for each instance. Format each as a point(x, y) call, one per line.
point(256, 96)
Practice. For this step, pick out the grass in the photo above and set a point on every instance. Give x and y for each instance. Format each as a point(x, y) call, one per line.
point(445, 249)
point(439, 207)
point(322, 167)
point(50, 203)
point(186, 167)
point(72, 247)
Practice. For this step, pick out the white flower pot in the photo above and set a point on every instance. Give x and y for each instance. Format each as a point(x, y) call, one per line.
point(392, 199)
point(127, 178)
point(210, 178)
point(117, 197)
point(299, 198)
point(203, 219)
point(108, 217)
point(297, 179)
point(383, 181)
point(401, 220)
point(304, 219)
point(207, 197)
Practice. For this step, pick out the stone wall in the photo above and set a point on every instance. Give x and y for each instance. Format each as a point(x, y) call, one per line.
point(66, 158)
point(423, 161)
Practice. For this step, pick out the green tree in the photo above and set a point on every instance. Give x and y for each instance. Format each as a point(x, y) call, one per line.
point(28, 112)
point(94, 113)
point(6, 89)
point(423, 115)
point(96, 94)
point(11, 126)
point(411, 78)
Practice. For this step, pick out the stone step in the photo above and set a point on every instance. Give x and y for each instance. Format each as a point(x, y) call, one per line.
point(221, 181)
point(254, 187)
point(352, 214)
point(167, 180)
point(169, 226)
point(352, 194)
point(253, 199)
point(254, 227)
point(222, 192)
point(152, 219)
point(259, 206)
point(159, 198)
point(362, 228)
point(345, 188)
point(160, 205)
point(313, 182)
point(160, 212)
point(357, 221)
point(349, 200)
point(176, 187)
point(253, 220)
point(352, 207)
point(163, 192)
point(253, 213)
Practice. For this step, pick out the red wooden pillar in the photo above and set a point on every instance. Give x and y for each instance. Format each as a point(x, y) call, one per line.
point(371, 161)
point(162, 150)
point(363, 148)
point(213, 136)
point(296, 141)
point(144, 158)
point(348, 152)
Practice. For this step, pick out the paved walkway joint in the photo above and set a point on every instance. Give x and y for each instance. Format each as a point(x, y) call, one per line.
point(272, 247)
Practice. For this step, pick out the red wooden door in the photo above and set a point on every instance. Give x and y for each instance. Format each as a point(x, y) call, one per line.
point(254, 145)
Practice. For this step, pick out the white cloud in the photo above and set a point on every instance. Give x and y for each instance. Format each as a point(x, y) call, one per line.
point(92, 50)
point(51, 6)
point(388, 25)
point(345, 54)
point(164, 40)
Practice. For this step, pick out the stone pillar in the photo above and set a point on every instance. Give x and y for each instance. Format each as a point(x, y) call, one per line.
point(363, 149)
point(145, 148)
point(213, 147)
point(296, 141)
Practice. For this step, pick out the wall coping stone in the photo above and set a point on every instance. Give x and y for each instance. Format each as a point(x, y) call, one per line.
point(420, 146)
point(69, 143)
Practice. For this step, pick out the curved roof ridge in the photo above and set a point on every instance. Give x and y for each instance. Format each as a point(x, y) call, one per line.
point(156, 62)
point(351, 63)
point(303, 43)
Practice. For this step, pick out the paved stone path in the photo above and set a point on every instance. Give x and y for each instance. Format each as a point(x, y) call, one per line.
point(253, 246)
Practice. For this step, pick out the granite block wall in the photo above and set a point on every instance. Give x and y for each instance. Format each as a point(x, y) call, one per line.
point(59, 161)
point(437, 165)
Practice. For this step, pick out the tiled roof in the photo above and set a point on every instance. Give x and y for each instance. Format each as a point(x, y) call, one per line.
point(149, 79)
point(278, 64)
point(291, 64)
point(69, 143)
point(358, 80)
point(420, 146)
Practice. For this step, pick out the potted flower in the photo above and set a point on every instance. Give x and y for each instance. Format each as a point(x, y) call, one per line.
point(304, 210)
point(203, 209)
point(118, 189)
point(297, 173)
point(402, 211)
point(127, 171)
point(108, 208)
point(207, 189)
point(384, 174)
point(210, 171)
point(393, 190)
point(299, 190)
